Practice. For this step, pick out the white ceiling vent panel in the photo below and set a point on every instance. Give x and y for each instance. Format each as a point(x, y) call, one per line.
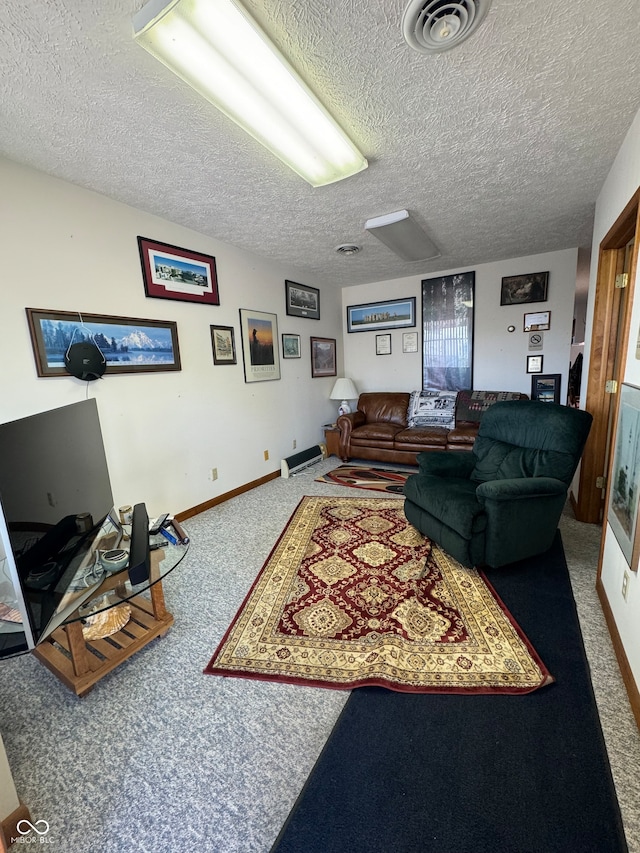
point(431, 26)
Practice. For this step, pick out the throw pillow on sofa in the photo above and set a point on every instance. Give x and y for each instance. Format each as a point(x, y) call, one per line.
point(432, 409)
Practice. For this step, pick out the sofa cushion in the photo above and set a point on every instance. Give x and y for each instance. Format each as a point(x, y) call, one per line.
point(431, 409)
point(387, 407)
point(471, 405)
point(375, 431)
point(420, 437)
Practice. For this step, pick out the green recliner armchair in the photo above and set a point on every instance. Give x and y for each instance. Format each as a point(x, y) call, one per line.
point(501, 502)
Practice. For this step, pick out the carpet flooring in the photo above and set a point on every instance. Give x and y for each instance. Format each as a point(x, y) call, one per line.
point(460, 774)
point(353, 595)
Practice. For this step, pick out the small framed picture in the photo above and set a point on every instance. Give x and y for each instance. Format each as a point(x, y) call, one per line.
point(323, 357)
point(538, 322)
point(383, 344)
point(302, 301)
point(520, 289)
point(223, 344)
point(546, 388)
point(171, 272)
point(290, 346)
point(534, 364)
point(409, 342)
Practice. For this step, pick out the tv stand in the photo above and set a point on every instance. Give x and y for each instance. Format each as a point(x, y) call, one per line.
point(79, 662)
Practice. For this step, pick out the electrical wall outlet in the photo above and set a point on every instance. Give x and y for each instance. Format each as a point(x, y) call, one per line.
point(266, 455)
point(625, 585)
point(295, 444)
point(214, 473)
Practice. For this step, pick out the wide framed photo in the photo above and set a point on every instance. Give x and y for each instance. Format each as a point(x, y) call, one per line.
point(261, 357)
point(170, 272)
point(622, 510)
point(290, 345)
point(323, 357)
point(546, 388)
point(302, 301)
point(383, 344)
point(534, 363)
point(128, 344)
point(375, 316)
point(223, 344)
point(520, 289)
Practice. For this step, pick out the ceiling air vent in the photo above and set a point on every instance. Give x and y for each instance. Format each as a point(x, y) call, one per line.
point(347, 249)
point(432, 26)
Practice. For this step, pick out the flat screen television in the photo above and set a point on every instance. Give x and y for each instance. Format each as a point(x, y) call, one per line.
point(56, 498)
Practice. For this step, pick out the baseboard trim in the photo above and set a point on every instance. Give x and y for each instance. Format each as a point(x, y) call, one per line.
point(195, 510)
point(623, 662)
point(8, 827)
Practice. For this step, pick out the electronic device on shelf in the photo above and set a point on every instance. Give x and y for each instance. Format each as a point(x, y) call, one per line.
point(139, 561)
point(157, 524)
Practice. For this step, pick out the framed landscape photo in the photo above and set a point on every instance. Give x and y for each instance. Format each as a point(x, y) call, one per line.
point(534, 364)
point(383, 344)
point(546, 388)
point(223, 344)
point(302, 300)
point(170, 272)
point(259, 331)
point(520, 289)
point(323, 357)
point(622, 510)
point(290, 345)
point(128, 344)
point(375, 316)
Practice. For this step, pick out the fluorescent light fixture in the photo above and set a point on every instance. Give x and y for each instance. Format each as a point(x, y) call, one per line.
point(216, 47)
point(403, 235)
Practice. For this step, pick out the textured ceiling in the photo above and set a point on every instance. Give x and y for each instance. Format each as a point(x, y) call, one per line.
point(498, 147)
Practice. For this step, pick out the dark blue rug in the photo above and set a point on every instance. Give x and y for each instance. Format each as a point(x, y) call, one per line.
point(406, 773)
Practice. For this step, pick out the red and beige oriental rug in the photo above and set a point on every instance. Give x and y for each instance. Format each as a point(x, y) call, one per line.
point(353, 595)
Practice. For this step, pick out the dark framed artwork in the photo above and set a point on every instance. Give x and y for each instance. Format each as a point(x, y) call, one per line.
point(520, 289)
point(171, 272)
point(622, 508)
point(375, 316)
point(302, 300)
point(128, 344)
point(290, 346)
point(259, 331)
point(223, 344)
point(546, 388)
point(447, 332)
point(323, 357)
point(534, 363)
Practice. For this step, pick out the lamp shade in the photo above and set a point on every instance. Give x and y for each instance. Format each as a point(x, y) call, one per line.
point(344, 389)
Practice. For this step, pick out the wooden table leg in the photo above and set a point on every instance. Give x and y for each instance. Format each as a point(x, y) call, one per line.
point(78, 648)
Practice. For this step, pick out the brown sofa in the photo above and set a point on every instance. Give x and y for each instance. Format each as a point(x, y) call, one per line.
point(385, 429)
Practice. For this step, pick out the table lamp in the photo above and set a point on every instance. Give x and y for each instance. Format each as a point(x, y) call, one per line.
point(344, 390)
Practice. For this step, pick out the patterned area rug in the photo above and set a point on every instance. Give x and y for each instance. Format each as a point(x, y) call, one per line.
point(361, 477)
point(353, 595)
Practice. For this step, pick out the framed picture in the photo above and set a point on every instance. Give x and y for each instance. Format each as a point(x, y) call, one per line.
point(170, 272)
point(290, 346)
point(129, 345)
point(383, 344)
point(520, 289)
point(224, 345)
point(409, 342)
point(622, 510)
point(538, 322)
point(447, 332)
point(259, 332)
point(374, 316)
point(323, 357)
point(534, 363)
point(546, 388)
point(302, 301)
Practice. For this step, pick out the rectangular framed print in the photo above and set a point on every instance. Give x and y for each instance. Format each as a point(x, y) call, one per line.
point(374, 316)
point(624, 489)
point(260, 352)
point(223, 344)
point(302, 300)
point(538, 322)
point(323, 357)
point(290, 345)
point(520, 289)
point(546, 388)
point(170, 272)
point(383, 344)
point(534, 364)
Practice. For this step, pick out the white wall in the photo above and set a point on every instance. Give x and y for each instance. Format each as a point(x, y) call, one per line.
point(500, 357)
point(621, 183)
point(69, 249)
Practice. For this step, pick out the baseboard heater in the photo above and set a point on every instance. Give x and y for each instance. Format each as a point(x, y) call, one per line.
point(299, 461)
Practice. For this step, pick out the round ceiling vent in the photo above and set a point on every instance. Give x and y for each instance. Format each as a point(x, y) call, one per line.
point(348, 249)
point(432, 26)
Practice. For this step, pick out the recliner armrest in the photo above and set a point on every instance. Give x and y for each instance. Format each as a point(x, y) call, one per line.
point(520, 488)
point(446, 464)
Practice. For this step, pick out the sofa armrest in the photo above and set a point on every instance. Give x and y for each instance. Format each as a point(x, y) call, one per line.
point(524, 488)
point(346, 424)
point(446, 464)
